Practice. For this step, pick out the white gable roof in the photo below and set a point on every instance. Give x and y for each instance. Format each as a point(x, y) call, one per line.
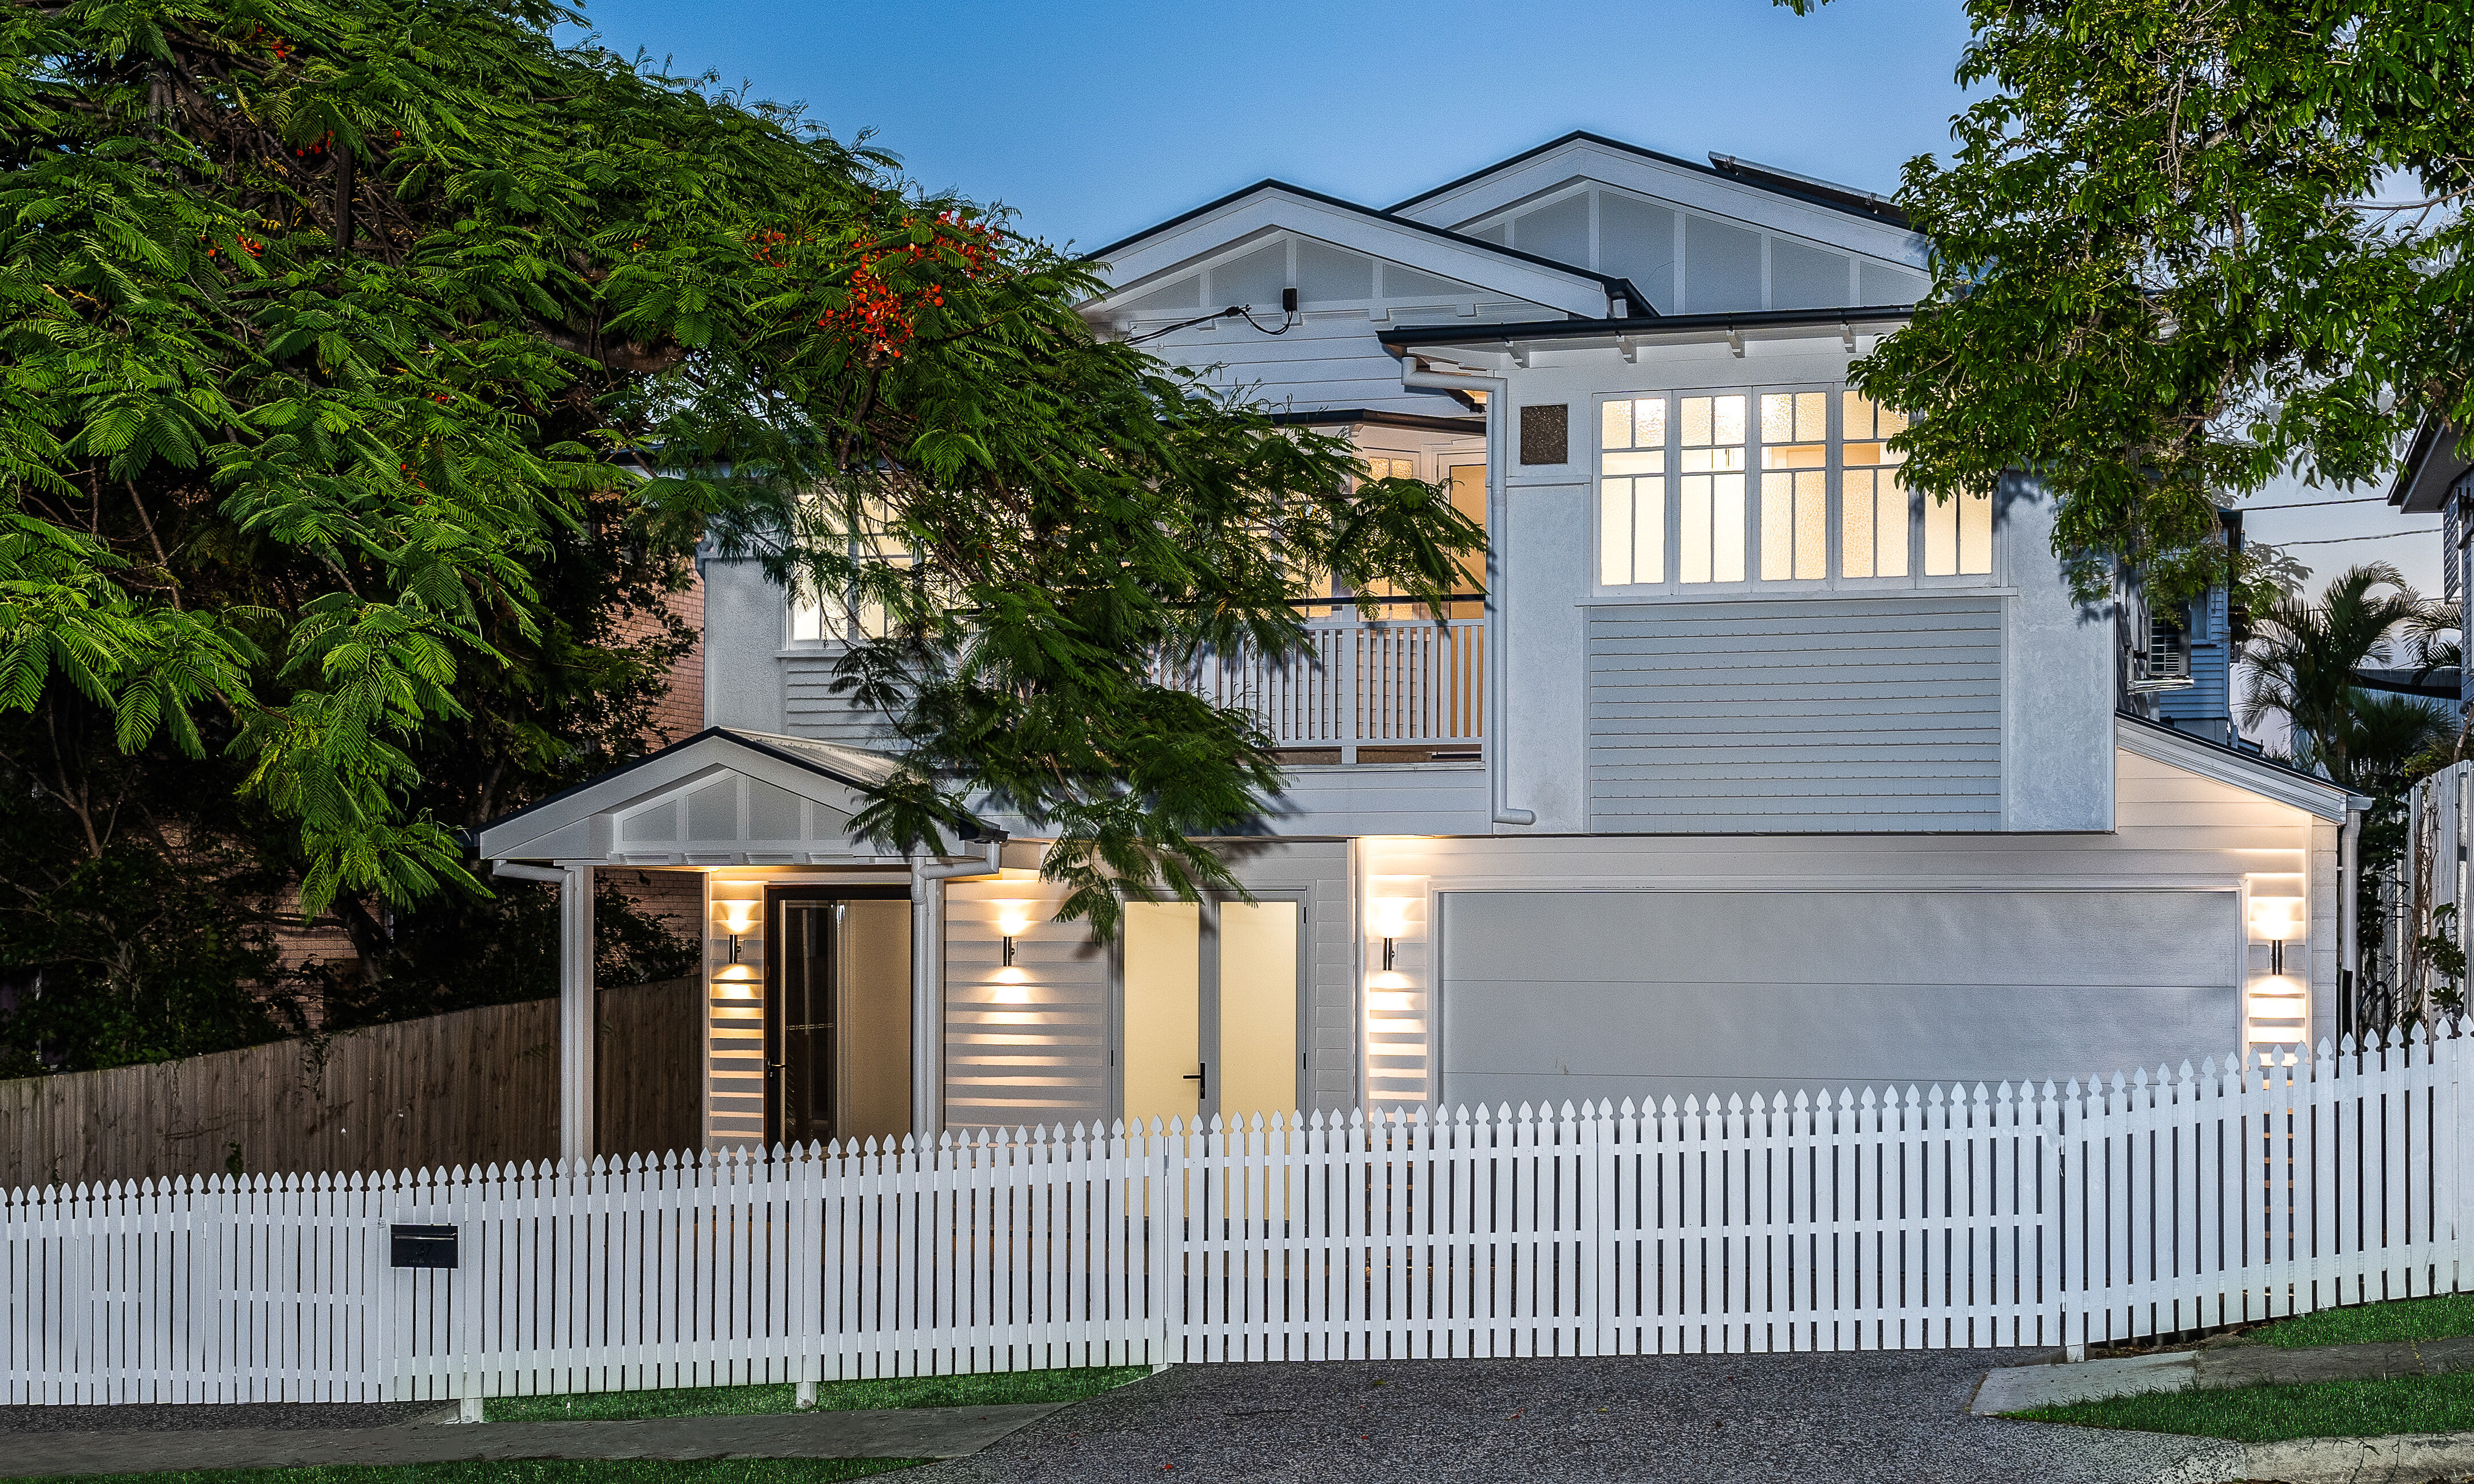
point(1583, 157)
point(724, 797)
point(1137, 263)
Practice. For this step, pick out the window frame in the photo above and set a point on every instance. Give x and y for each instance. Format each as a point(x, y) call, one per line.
point(1835, 469)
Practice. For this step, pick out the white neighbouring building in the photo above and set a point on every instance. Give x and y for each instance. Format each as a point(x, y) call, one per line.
point(1751, 772)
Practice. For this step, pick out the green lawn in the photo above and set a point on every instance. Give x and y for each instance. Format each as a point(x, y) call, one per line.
point(633, 1470)
point(2267, 1414)
point(1003, 1388)
point(2401, 1319)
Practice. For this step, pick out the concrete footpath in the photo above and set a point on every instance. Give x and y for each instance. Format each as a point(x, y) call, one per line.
point(916, 1433)
point(2017, 1388)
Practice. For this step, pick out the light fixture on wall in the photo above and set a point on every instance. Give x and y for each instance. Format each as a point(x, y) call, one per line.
point(1388, 917)
point(2272, 920)
point(1013, 919)
point(739, 920)
point(1013, 986)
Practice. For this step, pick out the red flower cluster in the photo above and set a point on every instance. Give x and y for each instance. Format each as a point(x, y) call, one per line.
point(763, 247)
point(249, 245)
point(885, 300)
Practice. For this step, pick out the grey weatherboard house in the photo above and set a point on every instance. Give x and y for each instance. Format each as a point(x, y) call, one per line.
point(1752, 771)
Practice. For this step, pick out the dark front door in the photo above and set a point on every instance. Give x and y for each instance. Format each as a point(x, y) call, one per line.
point(836, 1013)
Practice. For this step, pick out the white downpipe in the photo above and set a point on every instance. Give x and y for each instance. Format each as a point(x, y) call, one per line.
point(927, 982)
point(1499, 728)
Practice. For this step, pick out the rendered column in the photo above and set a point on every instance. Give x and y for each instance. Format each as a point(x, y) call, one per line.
point(578, 1019)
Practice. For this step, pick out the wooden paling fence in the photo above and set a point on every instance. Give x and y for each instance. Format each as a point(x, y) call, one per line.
point(470, 1086)
point(1875, 1219)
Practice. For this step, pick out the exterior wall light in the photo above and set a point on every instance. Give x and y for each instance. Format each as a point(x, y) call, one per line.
point(1013, 986)
point(1013, 919)
point(2272, 920)
point(739, 920)
point(1388, 917)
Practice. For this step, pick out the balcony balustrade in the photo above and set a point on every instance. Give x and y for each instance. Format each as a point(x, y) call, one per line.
point(1398, 687)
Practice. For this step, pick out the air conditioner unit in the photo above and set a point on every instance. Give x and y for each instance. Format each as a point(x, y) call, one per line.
point(2165, 664)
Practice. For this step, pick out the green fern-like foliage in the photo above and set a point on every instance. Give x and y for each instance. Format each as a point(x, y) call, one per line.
point(324, 321)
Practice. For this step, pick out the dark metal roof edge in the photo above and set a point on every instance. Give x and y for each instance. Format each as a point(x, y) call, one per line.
point(1425, 422)
point(1603, 280)
point(1644, 153)
point(1566, 329)
point(2405, 682)
point(2418, 452)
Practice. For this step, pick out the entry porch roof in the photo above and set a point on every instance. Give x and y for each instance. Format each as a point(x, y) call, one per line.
point(724, 797)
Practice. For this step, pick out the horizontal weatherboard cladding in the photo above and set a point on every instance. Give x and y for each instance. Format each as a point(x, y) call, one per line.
point(1864, 714)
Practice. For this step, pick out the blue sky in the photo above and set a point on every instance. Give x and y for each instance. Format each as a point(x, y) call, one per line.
point(1096, 120)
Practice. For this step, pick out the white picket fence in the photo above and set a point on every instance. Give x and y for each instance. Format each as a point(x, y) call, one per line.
point(1854, 1220)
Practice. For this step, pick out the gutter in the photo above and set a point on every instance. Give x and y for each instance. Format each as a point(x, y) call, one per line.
point(1497, 452)
point(1731, 325)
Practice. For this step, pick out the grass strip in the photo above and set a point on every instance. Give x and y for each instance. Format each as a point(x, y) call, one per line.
point(1001, 1388)
point(2364, 1324)
point(2271, 1414)
point(536, 1471)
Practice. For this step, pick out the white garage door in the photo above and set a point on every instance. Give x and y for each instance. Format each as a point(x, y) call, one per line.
point(1550, 995)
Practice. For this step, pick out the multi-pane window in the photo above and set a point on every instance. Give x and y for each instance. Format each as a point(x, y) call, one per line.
point(1795, 485)
point(817, 617)
point(1709, 489)
point(1873, 500)
point(1380, 468)
point(1632, 492)
point(1830, 506)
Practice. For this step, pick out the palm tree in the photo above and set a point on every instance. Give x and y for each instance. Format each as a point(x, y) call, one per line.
point(2303, 660)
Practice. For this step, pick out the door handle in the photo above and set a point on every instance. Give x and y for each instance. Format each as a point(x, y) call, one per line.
point(1203, 1077)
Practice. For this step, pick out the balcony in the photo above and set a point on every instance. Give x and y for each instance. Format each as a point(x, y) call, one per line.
point(1371, 691)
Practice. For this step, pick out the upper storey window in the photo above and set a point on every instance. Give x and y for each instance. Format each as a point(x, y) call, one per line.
point(1826, 507)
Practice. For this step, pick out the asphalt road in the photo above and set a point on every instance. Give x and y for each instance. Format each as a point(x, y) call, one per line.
point(1828, 1419)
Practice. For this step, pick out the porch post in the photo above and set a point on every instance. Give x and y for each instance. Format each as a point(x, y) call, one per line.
point(578, 1018)
point(927, 1001)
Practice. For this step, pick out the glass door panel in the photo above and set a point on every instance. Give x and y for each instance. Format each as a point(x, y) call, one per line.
point(837, 1015)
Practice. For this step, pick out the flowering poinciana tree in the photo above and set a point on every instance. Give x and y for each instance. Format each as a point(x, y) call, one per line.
point(324, 319)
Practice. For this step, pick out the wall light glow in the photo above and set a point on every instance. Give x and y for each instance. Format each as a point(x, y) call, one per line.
point(2274, 918)
point(1388, 917)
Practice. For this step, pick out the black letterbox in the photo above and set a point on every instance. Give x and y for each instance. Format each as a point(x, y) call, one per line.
point(421, 1247)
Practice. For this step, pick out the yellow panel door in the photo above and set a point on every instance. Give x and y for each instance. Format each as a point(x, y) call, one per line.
point(1258, 1011)
point(1163, 1019)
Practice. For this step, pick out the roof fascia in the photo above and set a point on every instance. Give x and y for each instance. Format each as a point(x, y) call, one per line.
point(1683, 182)
point(1375, 416)
point(1673, 328)
point(1272, 206)
point(2234, 769)
point(2432, 462)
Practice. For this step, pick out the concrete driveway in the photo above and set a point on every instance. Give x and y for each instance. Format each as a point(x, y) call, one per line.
point(1833, 1418)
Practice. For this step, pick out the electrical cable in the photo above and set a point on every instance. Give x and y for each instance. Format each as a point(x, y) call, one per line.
point(2334, 540)
point(1245, 312)
point(2244, 510)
